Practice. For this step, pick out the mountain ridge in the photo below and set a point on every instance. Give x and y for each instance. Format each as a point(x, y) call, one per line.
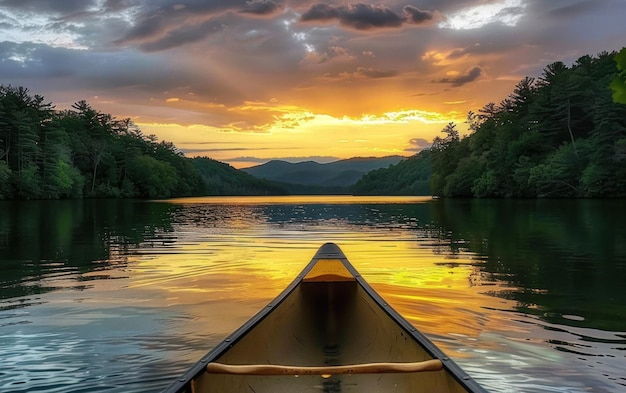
point(338, 174)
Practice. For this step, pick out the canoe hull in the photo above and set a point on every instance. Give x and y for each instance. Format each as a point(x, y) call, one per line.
point(327, 318)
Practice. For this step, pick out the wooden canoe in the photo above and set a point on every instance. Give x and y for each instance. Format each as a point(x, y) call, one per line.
point(328, 331)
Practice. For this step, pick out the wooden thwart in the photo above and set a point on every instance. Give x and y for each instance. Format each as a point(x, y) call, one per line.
point(366, 368)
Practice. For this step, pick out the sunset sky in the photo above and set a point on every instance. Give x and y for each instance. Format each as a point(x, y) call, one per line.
point(248, 81)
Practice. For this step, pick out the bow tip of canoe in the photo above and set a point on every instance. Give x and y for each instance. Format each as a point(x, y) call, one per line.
point(329, 250)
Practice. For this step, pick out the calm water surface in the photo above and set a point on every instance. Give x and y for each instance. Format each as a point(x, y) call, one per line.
point(122, 296)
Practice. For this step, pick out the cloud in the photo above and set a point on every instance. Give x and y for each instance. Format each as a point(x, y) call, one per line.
point(167, 26)
point(418, 144)
point(122, 76)
point(59, 7)
point(503, 12)
point(261, 7)
point(567, 9)
point(417, 16)
point(299, 57)
point(178, 22)
point(361, 16)
point(182, 35)
point(115, 5)
point(332, 53)
point(375, 73)
point(461, 79)
point(362, 72)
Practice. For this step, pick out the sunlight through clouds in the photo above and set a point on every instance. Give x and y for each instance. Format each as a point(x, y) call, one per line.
point(300, 37)
point(295, 77)
point(507, 12)
point(288, 117)
point(406, 116)
point(293, 119)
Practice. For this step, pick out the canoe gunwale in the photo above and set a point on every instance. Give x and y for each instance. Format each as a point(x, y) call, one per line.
point(231, 339)
point(448, 364)
point(326, 251)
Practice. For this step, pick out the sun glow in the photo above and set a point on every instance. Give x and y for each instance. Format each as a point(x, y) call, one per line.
point(296, 132)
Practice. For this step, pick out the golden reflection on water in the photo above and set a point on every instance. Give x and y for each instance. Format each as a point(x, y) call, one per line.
point(232, 256)
point(229, 282)
point(202, 267)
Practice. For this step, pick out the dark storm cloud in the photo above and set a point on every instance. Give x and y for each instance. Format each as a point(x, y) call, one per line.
point(63, 7)
point(261, 7)
point(462, 79)
point(365, 16)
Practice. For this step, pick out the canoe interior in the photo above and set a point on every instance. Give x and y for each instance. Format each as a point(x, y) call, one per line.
point(326, 323)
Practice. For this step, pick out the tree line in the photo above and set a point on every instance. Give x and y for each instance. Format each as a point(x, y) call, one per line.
point(559, 135)
point(81, 152)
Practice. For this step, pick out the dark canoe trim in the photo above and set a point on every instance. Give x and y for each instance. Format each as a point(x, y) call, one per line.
point(326, 251)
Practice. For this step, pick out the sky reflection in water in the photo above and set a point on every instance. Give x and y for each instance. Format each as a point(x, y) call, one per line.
point(181, 275)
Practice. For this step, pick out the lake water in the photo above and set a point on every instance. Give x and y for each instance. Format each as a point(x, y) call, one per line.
point(122, 296)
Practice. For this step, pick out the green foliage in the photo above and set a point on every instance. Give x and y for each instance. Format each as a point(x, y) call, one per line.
point(486, 185)
point(5, 176)
point(47, 154)
point(27, 183)
point(558, 175)
point(153, 178)
point(618, 85)
point(408, 177)
point(559, 135)
point(596, 181)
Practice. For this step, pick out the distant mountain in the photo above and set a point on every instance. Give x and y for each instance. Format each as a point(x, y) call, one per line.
point(306, 176)
point(222, 179)
point(408, 177)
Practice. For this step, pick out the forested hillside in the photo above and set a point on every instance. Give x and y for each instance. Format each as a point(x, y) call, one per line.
point(222, 179)
point(81, 152)
point(408, 177)
point(558, 135)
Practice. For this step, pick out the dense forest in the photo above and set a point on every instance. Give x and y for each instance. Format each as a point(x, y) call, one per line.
point(408, 177)
point(81, 152)
point(562, 134)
